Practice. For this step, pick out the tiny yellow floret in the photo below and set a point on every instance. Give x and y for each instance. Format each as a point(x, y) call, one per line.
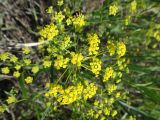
point(29, 80)
point(11, 99)
point(5, 70)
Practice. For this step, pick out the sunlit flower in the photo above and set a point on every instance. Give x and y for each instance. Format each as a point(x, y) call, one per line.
point(113, 9)
point(26, 50)
point(96, 66)
point(93, 41)
point(11, 99)
point(13, 59)
point(16, 74)
point(35, 69)
point(76, 58)
point(4, 56)
point(5, 70)
point(29, 80)
point(49, 32)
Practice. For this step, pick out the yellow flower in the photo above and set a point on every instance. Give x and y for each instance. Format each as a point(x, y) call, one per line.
point(111, 101)
point(11, 99)
point(69, 21)
point(27, 61)
point(18, 67)
point(5, 70)
point(133, 6)
point(35, 69)
point(93, 44)
point(16, 74)
point(89, 91)
point(13, 59)
point(49, 31)
point(66, 42)
point(76, 58)
point(114, 113)
point(26, 50)
point(60, 2)
point(96, 102)
point(90, 112)
point(121, 49)
point(2, 109)
point(113, 9)
point(78, 21)
point(108, 73)
point(58, 17)
point(117, 95)
point(107, 111)
point(96, 66)
point(50, 10)
point(127, 20)
point(132, 118)
point(71, 94)
point(47, 63)
point(4, 56)
point(29, 80)
point(54, 90)
point(111, 47)
point(103, 118)
point(61, 62)
point(156, 35)
point(111, 88)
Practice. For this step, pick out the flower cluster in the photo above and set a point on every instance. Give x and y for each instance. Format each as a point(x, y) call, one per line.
point(71, 93)
point(49, 32)
point(113, 9)
point(108, 73)
point(89, 91)
point(121, 49)
point(96, 66)
point(116, 47)
point(58, 17)
point(77, 58)
point(66, 42)
point(133, 6)
point(111, 47)
point(4, 56)
point(79, 20)
point(60, 62)
point(93, 41)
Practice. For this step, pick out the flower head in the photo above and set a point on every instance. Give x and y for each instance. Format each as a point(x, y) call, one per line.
point(47, 63)
point(108, 73)
point(11, 99)
point(2, 109)
point(5, 70)
point(29, 80)
point(16, 74)
point(133, 6)
point(76, 58)
point(4, 56)
point(79, 20)
point(93, 41)
point(121, 49)
point(26, 50)
point(113, 9)
point(61, 62)
point(49, 31)
point(58, 17)
point(111, 47)
point(13, 59)
point(96, 66)
point(35, 69)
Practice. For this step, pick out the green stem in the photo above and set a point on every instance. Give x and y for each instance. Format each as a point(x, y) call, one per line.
point(22, 85)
